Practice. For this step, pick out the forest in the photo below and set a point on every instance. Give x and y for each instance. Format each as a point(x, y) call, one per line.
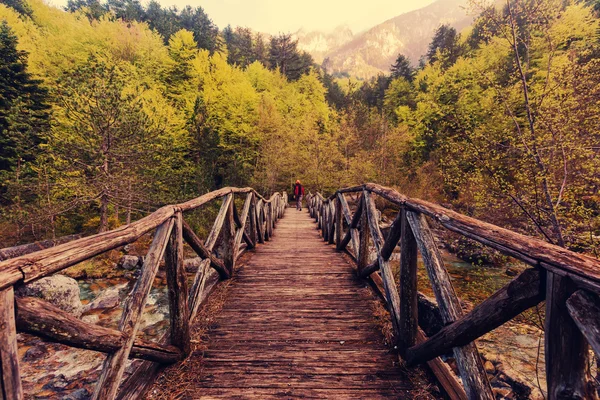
point(109, 110)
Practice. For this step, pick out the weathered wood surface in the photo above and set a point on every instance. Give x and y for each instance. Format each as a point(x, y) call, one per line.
point(21, 250)
point(10, 380)
point(525, 291)
point(114, 365)
point(567, 352)
point(407, 287)
point(298, 323)
point(584, 308)
point(200, 249)
point(41, 318)
point(467, 357)
point(177, 288)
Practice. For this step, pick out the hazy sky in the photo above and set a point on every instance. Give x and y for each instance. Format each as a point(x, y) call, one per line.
point(273, 16)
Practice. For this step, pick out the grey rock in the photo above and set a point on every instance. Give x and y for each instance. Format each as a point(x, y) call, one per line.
point(106, 300)
point(130, 263)
point(59, 290)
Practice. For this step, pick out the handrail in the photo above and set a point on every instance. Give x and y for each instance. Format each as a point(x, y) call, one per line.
point(568, 281)
point(253, 225)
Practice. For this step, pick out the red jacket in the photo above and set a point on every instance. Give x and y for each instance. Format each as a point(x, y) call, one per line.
point(298, 190)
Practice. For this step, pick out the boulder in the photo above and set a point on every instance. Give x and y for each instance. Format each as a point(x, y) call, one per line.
point(130, 263)
point(59, 290)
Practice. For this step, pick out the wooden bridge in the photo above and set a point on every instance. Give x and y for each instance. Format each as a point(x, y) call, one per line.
point(297, 322)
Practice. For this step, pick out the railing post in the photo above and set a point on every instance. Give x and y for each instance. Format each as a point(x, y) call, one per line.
point(114, 365)
point(339, 223)
point(407, 287)
point(177, 288)
point(467, 357)
point(332, 219)
point(363, 239)
point(253, 222)
point(10, 378)
point(567, 351)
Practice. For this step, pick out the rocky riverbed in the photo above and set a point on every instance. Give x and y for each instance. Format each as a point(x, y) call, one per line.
point(55, 371)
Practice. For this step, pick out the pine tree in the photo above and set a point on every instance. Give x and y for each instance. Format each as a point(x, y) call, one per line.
point(285, 57)
point(445, 43)
point(402, 68)
point(23, 109)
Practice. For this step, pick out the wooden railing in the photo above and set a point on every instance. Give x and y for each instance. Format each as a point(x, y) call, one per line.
point(254, 225)
point(569, 283)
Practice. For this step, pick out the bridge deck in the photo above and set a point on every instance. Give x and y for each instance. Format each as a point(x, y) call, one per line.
point(296, 323)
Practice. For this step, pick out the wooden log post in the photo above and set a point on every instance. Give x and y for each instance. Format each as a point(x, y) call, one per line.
point(203, 252)
point(522, 293)
point(200, 278)
point(226, 249)
point(10, 378)
point(339, 222)
point(389, 284)
point(40, 318)
point(363, 246)
point(567, 351)
point(584, 308)
point(253, 221)
point(388, 247)
point(177, 288)
point(260, 216)
point(267, 214)
point(352, 220)
point(467, 357)
point(242, 229)
point(332, 218)
point(408, 323)
point(114, 365)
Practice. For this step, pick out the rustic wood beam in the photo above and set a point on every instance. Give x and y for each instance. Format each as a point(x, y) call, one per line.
point(388, 248)
point(567, 352)
point(197, 245)
point(407, 286)
point(260, 221)
point(339, 222)
point(467, 357)
point(582, 269)
point(584, 308)
point(10, 378)
point(331, 228)
point(352, 221)
point(40, 318)
point(177, 288)
point(114, 365)
point(387, 276)
point(362, 258)
point(241, 230)
point(439, 368)
point(525, 291)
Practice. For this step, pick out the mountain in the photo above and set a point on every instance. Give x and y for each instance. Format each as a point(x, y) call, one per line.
point(319, 43)
point(375, 50)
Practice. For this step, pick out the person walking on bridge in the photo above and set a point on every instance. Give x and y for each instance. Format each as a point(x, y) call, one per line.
point(299, 194)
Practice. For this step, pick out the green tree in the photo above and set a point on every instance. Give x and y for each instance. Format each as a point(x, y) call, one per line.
point(402, 68)
point(285, 57)
point(444, 46)
point(24, 111)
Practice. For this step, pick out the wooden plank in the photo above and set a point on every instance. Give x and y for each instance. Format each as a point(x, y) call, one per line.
point(339, 222)
point(177, 288)
point(567, 352)
point(524, 292)
point(389, 284)
point(408, 322)
point(114, 365)
point(10, 378)
point(253, 222)
point(467, 357)
point(41, 318)
point(226, 249)
point(202, 251)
